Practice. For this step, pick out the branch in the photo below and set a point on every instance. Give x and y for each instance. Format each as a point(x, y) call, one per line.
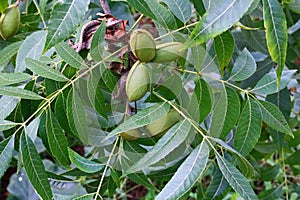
point(105, 7)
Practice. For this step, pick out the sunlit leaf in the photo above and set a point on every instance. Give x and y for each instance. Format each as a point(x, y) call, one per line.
point(244, 66)
point(7, 105)
point(32, 47)
point(276, 33)
point(273, 117)
point(220, 16)
point(263, 68)
point(172, 139)
point(85, 197)
point(156, 11)
point(248, 128)
point(64, 18)
point(180, 9)
point(187, 174)
point(5, 125)
point(19, 92)
point(235, 179)
point(70, 56)
point(32, 129)
point(44, 70)
point(268, 83)
point(6, 153)
point(12, 78)
point(34, 167)
point(141, 119)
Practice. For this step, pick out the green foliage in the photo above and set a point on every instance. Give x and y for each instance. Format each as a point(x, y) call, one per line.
point(63, 98)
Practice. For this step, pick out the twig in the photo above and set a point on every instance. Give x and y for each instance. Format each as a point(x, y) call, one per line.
point(105, 6)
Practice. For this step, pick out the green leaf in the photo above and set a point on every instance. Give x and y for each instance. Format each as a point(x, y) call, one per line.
point(156, 11)
point(244, 66)
point(65, 17)
point(142, 179)
point(274, 193)
point(141, 119)
point(248, 128)
point(95, 93)
point(256, 40)
point(276, 33)
point(180, 8)
point(217, 186)
point(60, 112)
point(76, 116)
point(235, 179)
point(85, 197)
point(3, 6)
point(84, 164)
point(263, 68)
point(170, 141)
point(7, 105)
point(70, 56)
point(219, 112)
point(198, 55)
point(269, 173)
point(57, 140)
point(9, 51)
point(12, 78)
point(268, 83)
point(220, 16)
point(283, 101)
point(201, 102)
point(187, 174)
point(96, 49)
point(142, 7)
point(45, 71)
point(34, 167)
point(248, 169)
point(32, 47)
point(252, 7)
point(274, 118)
point(294, 6)
point(5, 125)
point(224, 46)
point(6, 153)
point(198, 5)
point(225, 113)
point(233, 110)
point(19, 92)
